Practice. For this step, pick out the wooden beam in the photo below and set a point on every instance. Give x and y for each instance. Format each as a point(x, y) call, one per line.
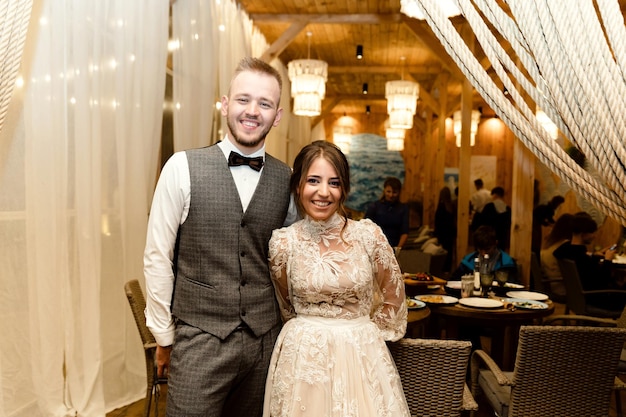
point(357, 19)
point(429, 100)
point(423, 32)
point(357, 97)
point(283, 41)
point(327, 107)
point(465, 157)
point(522, 208)
point(372, 69)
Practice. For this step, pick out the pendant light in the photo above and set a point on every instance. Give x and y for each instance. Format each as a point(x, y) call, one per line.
point(308, 84)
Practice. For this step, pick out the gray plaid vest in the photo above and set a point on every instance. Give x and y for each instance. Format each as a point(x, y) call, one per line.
point(221, 259)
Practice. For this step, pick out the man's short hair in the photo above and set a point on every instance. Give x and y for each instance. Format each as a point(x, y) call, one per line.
point(478, 182)
point(485, 238)
point(499, 191)
point(583, 223)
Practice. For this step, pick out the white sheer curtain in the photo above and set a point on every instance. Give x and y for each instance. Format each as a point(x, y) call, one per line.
point(78, 158)
point(195, 29)
point(213, 37)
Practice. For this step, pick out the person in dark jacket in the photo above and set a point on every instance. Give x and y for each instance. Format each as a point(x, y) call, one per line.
point(543, 215)
point(390, 214)
point(497, 214)
point(445, 225)
point(594, 269)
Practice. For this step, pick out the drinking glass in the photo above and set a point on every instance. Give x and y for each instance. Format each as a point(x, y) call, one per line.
point(501, 278)
point(486, 280)
point(467, 286)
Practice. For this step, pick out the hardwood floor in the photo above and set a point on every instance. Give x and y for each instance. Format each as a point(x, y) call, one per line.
point(136, 409)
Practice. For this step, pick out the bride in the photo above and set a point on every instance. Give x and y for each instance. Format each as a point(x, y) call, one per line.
point(341, 296)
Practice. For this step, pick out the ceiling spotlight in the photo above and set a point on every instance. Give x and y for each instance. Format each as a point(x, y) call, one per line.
point(368, 109)
point(364, 88)
point(359, 52)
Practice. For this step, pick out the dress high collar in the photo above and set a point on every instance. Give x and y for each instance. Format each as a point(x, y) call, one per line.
point(319, 227)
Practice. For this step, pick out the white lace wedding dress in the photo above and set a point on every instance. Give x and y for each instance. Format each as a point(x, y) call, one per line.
point(341, 296)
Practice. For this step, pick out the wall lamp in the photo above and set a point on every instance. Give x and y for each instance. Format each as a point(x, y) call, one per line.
point(359, 52)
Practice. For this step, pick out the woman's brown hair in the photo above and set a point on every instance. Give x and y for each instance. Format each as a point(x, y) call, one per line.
point(331, 153)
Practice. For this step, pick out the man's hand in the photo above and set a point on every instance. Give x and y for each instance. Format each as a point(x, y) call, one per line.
point(163, 360)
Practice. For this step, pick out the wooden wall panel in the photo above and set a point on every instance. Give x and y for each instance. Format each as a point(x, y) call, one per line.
point(493, 138)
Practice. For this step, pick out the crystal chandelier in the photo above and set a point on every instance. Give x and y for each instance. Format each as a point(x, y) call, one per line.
point(473, 127)
point(342, 137)
point(410, 8)
point(401, 103)
point(308, 84)
point(395, 137)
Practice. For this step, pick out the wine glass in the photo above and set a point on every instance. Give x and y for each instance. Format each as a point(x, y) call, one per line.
point(502, 277)
point(486, 281)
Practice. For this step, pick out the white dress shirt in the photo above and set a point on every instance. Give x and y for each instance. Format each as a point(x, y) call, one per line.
point(170, 207)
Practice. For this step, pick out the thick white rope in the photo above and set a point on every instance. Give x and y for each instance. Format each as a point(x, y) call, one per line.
point(570, 82)
point(578, 89)
point(14, 17)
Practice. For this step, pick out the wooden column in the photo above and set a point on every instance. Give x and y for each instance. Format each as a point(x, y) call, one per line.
point(522, 207)
point(435, 149)
point(465, 157)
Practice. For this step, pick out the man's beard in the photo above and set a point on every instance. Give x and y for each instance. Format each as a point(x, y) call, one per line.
point(250, 143)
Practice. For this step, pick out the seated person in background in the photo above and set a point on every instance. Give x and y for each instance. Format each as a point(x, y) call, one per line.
point(485, 242)
point(594, 270)
point(561, 233)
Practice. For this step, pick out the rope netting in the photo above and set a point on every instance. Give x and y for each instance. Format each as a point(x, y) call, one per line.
point(569, 57)
point(14, 17)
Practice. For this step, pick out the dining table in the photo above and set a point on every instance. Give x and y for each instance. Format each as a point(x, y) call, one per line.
point(417, 321)
point(618, 270)
point(503, 324)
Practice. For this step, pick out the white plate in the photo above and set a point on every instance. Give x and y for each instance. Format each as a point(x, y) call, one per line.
point(437, 299)
point(508, 285)
point(527, 295)
point(455, 285)
point(526, 304)
point(619, 259)
point(480, 302)
point(417, 304)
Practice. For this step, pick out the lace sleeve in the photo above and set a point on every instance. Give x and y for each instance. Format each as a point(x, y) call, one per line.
point(278, 257)
point(391, 315)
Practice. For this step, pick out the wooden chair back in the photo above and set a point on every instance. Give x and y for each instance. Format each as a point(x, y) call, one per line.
point(137, 303)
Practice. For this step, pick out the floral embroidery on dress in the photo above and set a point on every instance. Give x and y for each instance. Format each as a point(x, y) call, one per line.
point(341, 296)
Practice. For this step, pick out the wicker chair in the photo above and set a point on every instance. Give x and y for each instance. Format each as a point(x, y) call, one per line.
point(577, 320)
point(433, 376)
point(559, 371)
point(138, 305)
point(577, 296)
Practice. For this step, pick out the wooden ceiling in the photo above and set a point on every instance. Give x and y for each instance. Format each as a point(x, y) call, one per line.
point(394, 47)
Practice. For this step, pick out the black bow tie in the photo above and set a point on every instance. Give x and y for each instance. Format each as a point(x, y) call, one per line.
point(235, 160)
